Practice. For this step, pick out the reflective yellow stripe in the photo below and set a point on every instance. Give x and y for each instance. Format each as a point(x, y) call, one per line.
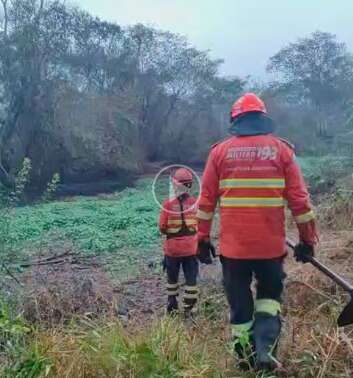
point(307, 217)
point(173, 230)
point(191, 296)
point(252, 202)
point(179, 221)
point(191, 222)
point(240, 329)
point(268, 306)
point(191, 288)
point(271, 183)
point(172, 289)
point(172, 286)
point(204, 215)
point(174, 221)
point(172, 292)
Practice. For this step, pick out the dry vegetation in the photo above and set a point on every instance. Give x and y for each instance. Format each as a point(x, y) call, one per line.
point(100, 340)
point(78, 319)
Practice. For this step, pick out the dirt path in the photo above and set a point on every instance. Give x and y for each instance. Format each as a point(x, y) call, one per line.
point(145, 298)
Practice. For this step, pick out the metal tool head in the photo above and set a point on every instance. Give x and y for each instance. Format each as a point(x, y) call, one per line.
point(346, 316)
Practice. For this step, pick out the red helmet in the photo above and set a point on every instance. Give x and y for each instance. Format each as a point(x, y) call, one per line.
point(183, 176)
point(247, 103)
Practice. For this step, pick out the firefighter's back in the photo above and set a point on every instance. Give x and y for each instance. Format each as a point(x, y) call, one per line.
point(252, 187)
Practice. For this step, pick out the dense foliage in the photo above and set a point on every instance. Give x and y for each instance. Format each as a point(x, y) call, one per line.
point(311, 95)
point(88, 99)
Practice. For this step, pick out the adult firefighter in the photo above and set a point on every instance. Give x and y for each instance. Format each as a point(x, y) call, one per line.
point(179, 223)
point(253, 175)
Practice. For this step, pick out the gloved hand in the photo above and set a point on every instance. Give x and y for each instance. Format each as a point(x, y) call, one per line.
point(302, 251)
point(205, 251)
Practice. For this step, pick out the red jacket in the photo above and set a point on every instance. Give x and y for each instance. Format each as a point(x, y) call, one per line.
point(181, 241)
point(253, 178)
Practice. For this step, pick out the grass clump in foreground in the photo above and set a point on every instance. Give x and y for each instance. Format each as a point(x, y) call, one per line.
point(311, 347)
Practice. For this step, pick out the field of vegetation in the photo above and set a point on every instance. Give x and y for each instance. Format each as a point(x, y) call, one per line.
point(82, 295)
point(86, 107)
point(121, 227)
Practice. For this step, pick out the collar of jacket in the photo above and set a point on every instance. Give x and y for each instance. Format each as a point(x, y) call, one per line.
point(254, 123)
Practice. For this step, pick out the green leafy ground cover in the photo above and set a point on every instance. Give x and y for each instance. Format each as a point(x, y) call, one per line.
point(123, 226)
point(323, 173)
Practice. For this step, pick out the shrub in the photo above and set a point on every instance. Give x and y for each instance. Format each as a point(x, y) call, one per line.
point(21, 180)
point(52, 187)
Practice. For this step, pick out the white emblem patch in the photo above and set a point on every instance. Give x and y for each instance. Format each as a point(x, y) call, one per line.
point(252, 153)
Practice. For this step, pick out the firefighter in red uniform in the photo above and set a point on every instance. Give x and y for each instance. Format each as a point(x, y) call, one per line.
point(253, 175)
point(179, 223)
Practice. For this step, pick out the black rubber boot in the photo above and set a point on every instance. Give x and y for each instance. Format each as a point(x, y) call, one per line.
point(188, 312)
point(267, 329)
point(245, 352)
point(172, 306)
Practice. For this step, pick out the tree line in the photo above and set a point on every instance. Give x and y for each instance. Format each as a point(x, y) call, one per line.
point(89, 99)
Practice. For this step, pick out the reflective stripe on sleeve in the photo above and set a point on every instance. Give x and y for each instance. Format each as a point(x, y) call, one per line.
point(268, 306)
point(252, 202)
point(304, 218)
point(270, 183)
point(203, 215)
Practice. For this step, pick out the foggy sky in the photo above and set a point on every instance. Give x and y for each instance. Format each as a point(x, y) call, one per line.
point(245, 33)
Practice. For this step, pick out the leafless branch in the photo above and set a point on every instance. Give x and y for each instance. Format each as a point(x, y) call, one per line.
point(6, 16)
point(42, 3)
point(11, 274)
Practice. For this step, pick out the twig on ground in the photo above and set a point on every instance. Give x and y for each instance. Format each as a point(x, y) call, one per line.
point(11, 274)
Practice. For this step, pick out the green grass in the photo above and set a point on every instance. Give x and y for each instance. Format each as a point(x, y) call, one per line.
point(123, 225)
point(165, 349)
point(322, 172)
point(109, 224)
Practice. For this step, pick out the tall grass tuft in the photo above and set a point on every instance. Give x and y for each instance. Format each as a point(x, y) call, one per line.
point(167, 349)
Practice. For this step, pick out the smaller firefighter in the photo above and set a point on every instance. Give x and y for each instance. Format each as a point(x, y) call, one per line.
point(179, 223)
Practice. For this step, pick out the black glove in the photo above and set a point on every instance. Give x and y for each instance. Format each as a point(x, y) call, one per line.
point(206, 250)
point(302, 251)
